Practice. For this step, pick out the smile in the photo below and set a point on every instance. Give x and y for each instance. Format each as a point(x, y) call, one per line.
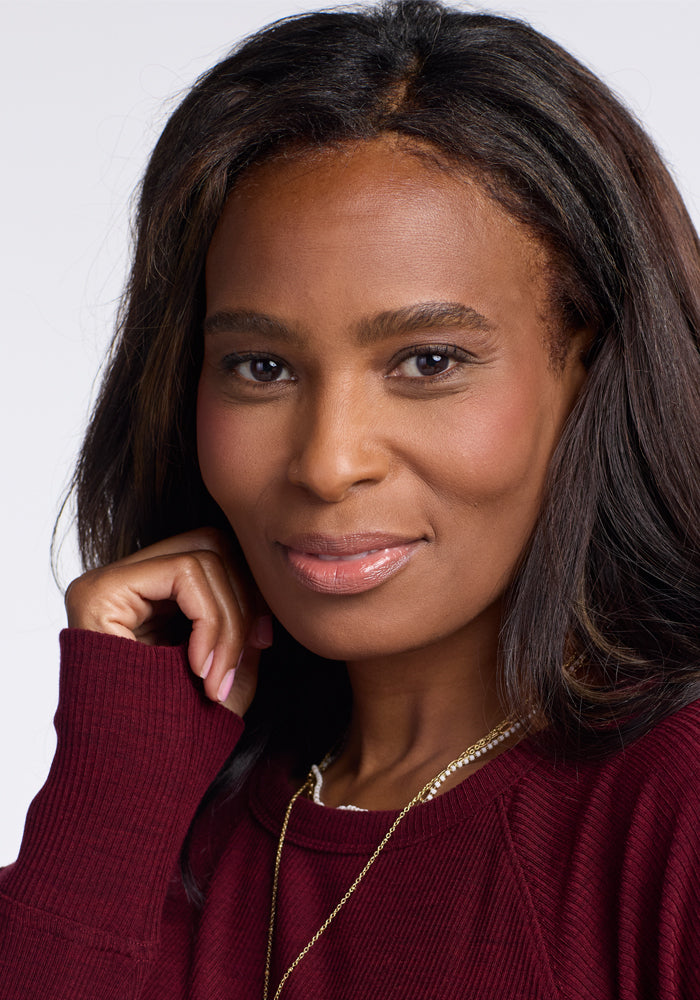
point(344, 566)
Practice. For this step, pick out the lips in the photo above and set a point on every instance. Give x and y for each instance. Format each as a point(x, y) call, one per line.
point(347, 564)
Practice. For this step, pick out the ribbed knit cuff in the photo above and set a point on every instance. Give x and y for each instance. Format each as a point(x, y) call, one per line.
point(138, 745)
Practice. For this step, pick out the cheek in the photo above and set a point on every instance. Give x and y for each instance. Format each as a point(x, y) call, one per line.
point(227, 454)
point(498, 447)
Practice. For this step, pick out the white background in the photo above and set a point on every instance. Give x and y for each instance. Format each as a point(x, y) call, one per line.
point(85, 88)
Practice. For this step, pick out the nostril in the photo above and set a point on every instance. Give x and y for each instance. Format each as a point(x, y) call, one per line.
point(332, 474)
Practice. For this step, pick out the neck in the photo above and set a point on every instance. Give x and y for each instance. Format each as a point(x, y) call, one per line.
point(412, 714)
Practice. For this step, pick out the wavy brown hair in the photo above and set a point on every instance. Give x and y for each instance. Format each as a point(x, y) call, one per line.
point(609, 584)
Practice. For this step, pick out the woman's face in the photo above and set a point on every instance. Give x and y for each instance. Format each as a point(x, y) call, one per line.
point(378, 403)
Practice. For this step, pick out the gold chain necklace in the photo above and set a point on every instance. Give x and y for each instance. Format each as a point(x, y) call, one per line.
point(472, 753)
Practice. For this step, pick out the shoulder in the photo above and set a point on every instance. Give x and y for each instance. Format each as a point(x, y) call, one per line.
point(654, 785)
point(627, 820)
point(627, 816)
point(679, 732)
point(660, 769)
point(661, 762)
point(609, 852)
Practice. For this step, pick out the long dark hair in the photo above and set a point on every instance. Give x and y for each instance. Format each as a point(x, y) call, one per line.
point(601, 633)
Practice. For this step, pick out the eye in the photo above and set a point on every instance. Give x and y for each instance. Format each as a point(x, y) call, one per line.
point(427, 362)
point(257, 368)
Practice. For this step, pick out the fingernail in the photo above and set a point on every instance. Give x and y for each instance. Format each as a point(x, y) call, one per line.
point(263, 631)
point(207, 665)
point(225, 686)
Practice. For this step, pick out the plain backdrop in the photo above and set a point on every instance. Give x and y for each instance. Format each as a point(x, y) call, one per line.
point(86, 87)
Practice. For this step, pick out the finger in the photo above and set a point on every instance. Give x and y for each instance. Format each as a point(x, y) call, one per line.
point(240, 687)
point(253, 607)
point(250, 601)
point(233, 626)
point(121, 598)
point(129, 605)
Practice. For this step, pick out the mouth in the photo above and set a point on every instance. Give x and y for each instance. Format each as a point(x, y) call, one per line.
point(347, 564)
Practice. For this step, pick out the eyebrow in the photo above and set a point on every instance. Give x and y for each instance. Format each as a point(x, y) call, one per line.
point(247, 321)
point(387, 324)
point(411, 319)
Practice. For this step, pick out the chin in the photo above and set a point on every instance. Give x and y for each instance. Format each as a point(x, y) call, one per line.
point(357, 639)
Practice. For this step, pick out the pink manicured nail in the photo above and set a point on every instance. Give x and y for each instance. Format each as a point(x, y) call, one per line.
point(263, 631)
point(207, 665)
point(225, 686)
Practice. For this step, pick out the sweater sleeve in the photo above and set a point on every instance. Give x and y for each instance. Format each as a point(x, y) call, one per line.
point(138, 745)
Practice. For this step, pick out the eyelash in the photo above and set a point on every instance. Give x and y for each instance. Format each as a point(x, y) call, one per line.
point(231, 362)
point(449, 351)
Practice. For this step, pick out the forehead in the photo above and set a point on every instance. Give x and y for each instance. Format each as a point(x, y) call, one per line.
point(379, 215)
point(382, 176)
point(365, 171)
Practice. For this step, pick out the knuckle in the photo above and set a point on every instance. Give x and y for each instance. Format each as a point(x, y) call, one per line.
point(87, 596)
point(79, 589)
point(72, 593)
point(200, 567)
point(209, 560)
point(190, 566)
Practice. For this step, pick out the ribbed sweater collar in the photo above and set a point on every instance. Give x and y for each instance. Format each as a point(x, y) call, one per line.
point(347, 832)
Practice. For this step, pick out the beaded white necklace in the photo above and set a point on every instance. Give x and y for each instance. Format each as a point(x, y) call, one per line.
point(317, 771)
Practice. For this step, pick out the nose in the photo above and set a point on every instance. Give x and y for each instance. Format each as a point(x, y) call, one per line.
point(338, 446)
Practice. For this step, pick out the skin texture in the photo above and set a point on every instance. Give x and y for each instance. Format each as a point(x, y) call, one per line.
point(319, 416)
point(378, 358)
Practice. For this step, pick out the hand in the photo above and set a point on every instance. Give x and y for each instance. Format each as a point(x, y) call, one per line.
point(194, 573)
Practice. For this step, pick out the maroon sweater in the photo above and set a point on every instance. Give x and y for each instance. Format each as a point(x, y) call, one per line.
point(529, 880)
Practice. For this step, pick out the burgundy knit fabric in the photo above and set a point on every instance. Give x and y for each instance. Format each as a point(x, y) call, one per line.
point(531, 879)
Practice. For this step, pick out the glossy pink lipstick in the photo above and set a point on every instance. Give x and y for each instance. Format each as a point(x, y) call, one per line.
point(347, 564)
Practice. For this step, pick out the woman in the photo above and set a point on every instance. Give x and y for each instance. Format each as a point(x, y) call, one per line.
point(405, 394)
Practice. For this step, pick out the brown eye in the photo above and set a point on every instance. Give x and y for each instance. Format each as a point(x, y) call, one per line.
point(432, 364)
point(265, 369)
point(259, 369)
point(425, 364)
